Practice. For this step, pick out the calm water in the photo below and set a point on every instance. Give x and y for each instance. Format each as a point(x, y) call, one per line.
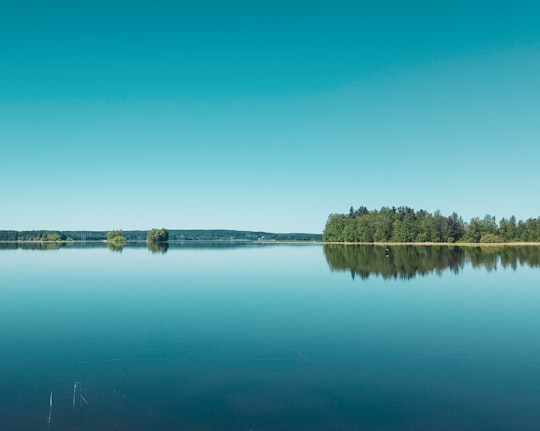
point(274, 337)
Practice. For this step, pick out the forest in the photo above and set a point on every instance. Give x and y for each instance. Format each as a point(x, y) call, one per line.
point(405, 225)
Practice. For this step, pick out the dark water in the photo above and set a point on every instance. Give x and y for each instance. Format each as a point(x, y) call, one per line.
point(270, 338)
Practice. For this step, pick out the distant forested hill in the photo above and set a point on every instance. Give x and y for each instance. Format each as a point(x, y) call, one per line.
point(174, 235)
point(404, 224)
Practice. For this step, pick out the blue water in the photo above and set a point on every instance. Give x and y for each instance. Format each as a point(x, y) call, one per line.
point(263, 338)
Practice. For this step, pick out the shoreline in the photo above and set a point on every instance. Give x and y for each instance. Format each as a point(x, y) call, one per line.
point(382, 243)
point(429, 244)
point(183, 241)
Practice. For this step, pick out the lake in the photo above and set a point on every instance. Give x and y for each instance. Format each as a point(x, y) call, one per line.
point(269, 337)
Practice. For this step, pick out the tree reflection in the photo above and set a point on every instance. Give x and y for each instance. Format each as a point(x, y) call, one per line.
point(158, 247)
point(407, 261)
point(50, 245)
point(116, 246)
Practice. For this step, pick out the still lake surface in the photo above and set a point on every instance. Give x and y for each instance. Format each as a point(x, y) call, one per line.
point(269, 337)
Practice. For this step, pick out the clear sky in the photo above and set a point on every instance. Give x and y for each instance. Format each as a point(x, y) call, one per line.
point(265, 115)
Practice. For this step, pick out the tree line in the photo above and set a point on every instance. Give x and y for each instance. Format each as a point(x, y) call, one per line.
point(174, 235)
point(404, 224)
point(47, 235)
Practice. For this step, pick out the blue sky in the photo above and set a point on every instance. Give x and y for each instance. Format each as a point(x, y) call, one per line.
point(246, 115)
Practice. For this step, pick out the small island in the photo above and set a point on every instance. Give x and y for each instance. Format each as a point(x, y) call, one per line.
point(157, 236)
point(116, 240)
point(116, 237)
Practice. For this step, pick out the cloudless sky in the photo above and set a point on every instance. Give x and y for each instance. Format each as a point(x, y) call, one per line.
point(265, 115)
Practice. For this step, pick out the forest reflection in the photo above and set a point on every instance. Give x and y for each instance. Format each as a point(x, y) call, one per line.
point(408, 261)
point(160, 248)
point(115, 247)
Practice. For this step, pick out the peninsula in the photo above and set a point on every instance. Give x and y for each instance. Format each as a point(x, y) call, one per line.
point(405, 225)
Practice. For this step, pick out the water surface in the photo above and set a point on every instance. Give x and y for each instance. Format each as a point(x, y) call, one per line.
point(270, 337)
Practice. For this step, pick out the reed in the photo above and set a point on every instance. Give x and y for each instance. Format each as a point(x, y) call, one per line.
point(77, 395)
point(75, 387)
point(50, 408)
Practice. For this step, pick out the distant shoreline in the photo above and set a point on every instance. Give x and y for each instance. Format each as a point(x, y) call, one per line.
point(141, 235)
